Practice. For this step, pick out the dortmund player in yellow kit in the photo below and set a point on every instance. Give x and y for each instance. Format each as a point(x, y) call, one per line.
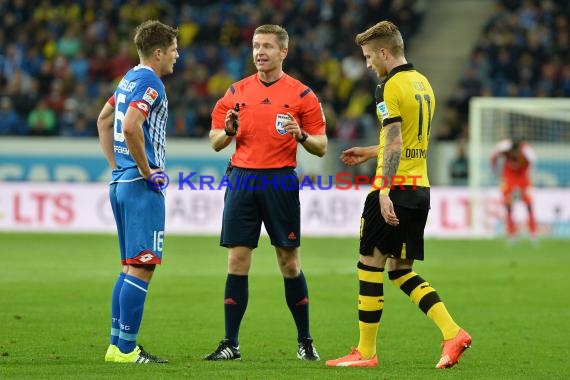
point(395, 213)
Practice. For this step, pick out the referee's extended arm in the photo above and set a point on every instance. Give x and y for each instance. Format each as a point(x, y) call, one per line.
point(316, 144)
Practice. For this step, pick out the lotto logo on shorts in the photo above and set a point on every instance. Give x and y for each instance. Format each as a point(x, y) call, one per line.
point(146, 257)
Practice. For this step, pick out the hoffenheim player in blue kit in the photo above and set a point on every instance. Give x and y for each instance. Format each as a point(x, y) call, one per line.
point(132, 130)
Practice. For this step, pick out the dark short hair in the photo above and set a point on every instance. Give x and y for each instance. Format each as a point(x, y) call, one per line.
point(153, 34)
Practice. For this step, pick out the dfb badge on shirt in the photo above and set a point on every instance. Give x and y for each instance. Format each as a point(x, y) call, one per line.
point(279, 120)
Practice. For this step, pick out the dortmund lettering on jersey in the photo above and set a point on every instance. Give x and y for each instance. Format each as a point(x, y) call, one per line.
point(406, 96)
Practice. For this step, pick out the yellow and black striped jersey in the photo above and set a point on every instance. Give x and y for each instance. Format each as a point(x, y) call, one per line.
point(406, 96)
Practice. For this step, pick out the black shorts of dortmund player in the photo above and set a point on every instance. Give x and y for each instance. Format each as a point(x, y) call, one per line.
point(406, 240)
point(270, 196)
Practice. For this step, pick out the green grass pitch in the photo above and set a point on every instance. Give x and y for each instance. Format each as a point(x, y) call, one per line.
point(55, 291)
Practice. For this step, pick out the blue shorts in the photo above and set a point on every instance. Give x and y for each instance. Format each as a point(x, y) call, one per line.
point(139, 214)
point(270, 196)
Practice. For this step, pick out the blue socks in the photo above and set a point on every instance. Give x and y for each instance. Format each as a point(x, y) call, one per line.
point(131, 303)
point(116, 309)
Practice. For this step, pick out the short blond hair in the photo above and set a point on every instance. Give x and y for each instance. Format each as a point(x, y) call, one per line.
point(280, 32)
point(385, 34)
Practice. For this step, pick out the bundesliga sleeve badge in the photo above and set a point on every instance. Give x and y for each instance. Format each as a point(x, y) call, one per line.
point(150, 95)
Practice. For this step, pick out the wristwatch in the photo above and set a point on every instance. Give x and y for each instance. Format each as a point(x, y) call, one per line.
point(304, 137)
point(228, 133)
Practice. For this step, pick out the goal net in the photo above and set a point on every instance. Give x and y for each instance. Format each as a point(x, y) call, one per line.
point(545, 124)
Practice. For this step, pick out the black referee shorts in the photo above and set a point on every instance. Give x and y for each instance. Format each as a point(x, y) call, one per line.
point(405, 241)
point(270, 196)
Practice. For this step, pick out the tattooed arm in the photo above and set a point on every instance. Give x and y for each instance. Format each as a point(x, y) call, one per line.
point(391, 161)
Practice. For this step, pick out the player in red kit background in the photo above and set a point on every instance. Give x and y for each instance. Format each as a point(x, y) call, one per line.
point(513, 161)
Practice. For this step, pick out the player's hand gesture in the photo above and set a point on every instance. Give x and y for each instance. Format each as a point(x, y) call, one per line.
point(292, 127)
point(231, 121)
point(354, 156)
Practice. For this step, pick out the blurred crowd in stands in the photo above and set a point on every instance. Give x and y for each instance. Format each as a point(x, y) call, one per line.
point(523, 51)
point(60, 60)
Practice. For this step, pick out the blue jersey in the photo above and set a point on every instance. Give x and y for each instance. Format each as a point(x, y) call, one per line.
point(140, 88)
